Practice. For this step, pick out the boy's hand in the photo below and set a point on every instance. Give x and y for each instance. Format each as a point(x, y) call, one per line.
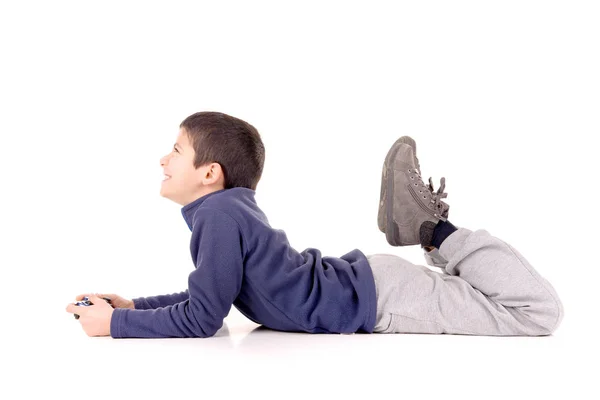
point(115, 300)
point(95, 319)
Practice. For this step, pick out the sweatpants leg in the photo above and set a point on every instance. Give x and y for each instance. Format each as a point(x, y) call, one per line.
point(486, 288)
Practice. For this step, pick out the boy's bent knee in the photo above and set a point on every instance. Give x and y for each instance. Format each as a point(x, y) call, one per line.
point(548, 318)
point(558, 316)
point(555, 313)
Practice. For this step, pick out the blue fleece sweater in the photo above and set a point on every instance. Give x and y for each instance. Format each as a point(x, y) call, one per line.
point(240, 260)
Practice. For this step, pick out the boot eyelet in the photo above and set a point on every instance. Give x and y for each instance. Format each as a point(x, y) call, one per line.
point(412, 178)
point(420, 191)
point(424, 197)
point(415, 184)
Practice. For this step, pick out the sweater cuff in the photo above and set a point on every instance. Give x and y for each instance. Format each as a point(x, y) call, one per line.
point(115, 322)
point(140, 303)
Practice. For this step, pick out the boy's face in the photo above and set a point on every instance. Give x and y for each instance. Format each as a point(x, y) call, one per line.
point(186, 183)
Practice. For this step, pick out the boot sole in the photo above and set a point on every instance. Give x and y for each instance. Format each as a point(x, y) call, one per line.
point(391, 232)
point(381, 216)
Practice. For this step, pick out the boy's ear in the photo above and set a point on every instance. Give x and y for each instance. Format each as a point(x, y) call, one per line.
point(214, 170)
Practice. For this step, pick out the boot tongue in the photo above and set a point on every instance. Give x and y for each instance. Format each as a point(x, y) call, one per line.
point(446, 209)
point(426, 233)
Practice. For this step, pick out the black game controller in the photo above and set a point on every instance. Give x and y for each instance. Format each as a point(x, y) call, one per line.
point(86, 303)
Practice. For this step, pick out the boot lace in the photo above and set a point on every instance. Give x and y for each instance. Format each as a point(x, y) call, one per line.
point(436, 197)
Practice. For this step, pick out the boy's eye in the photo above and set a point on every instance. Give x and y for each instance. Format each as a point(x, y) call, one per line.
point(176, 150)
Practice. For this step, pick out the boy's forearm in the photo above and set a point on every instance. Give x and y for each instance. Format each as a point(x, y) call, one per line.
point(163, 300)
point(164, 322)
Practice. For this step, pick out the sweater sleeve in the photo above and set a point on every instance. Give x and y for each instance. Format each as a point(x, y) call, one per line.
point(163, 300)
point(217, 251)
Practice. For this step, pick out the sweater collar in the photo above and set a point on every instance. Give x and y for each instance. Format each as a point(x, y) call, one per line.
point(189, 210)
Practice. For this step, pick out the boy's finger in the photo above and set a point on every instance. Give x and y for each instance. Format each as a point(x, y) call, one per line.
point(96, 299)
point(72, 308)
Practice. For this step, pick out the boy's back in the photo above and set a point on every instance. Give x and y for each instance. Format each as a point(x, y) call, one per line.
point(241, 260)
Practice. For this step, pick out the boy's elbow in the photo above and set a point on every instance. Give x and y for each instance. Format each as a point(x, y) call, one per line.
point(206, 328)
point(205, 332)
point(204, 324)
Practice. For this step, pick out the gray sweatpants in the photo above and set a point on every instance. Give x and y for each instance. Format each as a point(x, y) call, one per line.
point(486, 287)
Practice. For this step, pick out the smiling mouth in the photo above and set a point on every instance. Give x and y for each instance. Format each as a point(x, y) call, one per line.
point(166, 178)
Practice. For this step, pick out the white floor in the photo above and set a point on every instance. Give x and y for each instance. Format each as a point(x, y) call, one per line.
point(251, 361)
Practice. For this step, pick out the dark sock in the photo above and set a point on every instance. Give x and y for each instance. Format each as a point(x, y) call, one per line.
point(442, 230)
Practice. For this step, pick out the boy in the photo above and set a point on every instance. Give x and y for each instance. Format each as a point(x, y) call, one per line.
point(486, 286)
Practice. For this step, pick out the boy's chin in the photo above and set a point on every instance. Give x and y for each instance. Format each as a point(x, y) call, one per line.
point(169, 196)
point(164, 193)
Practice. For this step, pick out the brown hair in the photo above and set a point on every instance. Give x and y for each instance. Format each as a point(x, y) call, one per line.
point(231, 142)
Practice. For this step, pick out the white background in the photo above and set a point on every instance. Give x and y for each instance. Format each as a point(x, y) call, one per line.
point(502, 99)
